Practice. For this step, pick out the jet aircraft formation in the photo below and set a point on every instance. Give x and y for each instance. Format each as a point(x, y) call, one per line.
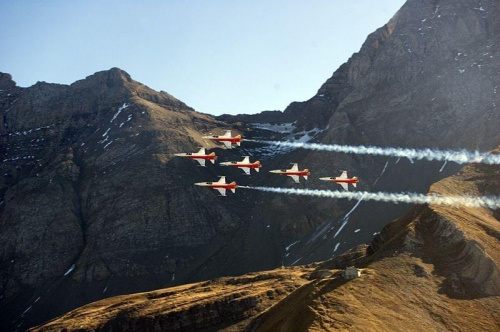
point(246, 166)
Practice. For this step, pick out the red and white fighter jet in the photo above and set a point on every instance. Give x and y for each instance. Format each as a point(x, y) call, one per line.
point(199, 156)
point(227, 139)
point(220, 185)
point(244, 165)
point(343, 180)
point(293, 172)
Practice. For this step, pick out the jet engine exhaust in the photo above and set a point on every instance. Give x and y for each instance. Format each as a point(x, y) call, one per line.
point(492, 202)
point(457, 156)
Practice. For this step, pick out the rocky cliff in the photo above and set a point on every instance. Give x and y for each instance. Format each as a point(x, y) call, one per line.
point(428, 78)
point(90, 192)
point(436, 268)
point(93, 204)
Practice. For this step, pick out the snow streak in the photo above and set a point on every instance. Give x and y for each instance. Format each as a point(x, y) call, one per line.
point(492, 202)
point(457, 156)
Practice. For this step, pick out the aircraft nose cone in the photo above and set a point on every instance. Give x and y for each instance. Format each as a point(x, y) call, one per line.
point(275, 171)
point(325, 179)
point(201, 184)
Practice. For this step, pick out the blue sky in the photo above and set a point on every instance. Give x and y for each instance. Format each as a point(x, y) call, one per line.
point(216, 56)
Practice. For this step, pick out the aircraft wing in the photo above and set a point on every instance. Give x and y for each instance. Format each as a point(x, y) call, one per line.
point(201, 161)
point(202, 151)
point(344, 185)
point(343, 175)
point(295, 178)
point(227, 144)
point(295, 167)
point(246, 160)
point(227, 134)
point(222, 180)
point(246, 170)
point(222, 191)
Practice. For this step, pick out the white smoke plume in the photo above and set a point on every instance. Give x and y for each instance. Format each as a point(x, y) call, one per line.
point(492, 202)
point(457, 156)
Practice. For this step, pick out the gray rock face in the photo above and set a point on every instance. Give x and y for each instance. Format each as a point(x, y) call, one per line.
point(427, 79)
point(90, 190)
point(93, 204)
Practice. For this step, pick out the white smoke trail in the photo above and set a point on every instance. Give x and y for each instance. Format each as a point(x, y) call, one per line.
point(459, 157)
point(492, 202)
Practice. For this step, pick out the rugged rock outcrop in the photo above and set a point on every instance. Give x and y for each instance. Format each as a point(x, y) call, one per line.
point(428, 78)
point(92, 203)
point(436, 268)
point(90, 191)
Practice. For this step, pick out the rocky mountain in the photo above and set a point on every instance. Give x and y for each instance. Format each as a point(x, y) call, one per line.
point(94, 204)
point(435, 58)
point(428, 78)
point(436, 268)
point(90, 192)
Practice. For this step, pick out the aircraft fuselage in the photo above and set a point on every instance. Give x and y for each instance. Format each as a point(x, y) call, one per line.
point(288, 172)
point(232, 140)
point(216, 185)
point(241, 165)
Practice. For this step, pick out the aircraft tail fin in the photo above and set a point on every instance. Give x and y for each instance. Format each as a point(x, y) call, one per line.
point(257, 170)
point(354, 184)
point(305, 177)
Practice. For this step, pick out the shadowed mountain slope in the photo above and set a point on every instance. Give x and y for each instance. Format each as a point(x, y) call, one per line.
point(436, 268)
point(93, 204)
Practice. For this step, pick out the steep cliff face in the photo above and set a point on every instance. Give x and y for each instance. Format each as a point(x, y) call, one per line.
point(91, 192)
point(93, 204)
point(428, 78)
point(430, 71)
point(436, 68)
point(436, 268)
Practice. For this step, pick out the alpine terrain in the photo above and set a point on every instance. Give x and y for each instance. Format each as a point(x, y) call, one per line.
point(94, 203)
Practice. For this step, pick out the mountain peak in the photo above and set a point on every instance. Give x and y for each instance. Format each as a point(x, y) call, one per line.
point(6, 81)
point(114, 77)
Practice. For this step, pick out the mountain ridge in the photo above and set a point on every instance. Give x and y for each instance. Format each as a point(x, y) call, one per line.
point(96, 162)
point(425, 265)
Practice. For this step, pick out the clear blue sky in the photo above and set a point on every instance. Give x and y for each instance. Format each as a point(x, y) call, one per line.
point(216, 56)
